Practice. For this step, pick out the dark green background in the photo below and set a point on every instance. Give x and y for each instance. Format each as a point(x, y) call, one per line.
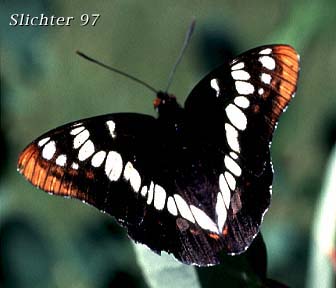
point(52, 242)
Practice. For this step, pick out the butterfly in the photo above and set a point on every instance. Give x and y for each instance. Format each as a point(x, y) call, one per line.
point(194, 181)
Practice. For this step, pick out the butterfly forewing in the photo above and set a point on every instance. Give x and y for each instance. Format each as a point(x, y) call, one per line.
point(86, 159)
point(238, 106)
point(192, 184)
point(118, 164)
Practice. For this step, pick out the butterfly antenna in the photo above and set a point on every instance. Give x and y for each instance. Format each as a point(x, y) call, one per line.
point(179, 58)
point(117, 71)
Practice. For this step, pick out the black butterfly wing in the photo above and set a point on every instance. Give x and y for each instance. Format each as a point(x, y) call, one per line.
point(82, 160)
point(260, 83)
point(236, 107)
point(122, 164)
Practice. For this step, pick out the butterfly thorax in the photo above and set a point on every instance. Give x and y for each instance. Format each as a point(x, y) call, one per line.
point(170, 114)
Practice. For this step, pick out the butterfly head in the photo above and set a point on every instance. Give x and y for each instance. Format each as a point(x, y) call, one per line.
point(165, 103)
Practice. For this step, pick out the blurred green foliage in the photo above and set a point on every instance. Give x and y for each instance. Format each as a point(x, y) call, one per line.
point(53, 242)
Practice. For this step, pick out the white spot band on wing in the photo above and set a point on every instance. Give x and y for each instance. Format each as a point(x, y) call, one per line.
point(266, 78)
point(113, 165)
point(159, 197)
point(220, 211)
point(86, 150)
point(98, 158)
point(171, 206)
point(203, 220)
point(244, 88)
point(226, 193)
point(267, 62)
point(61, 160)
point(49, 150)
point(183, 208)
point(240, 75)
point(43, 141)
point(143, 191)
point(242, 102)
point(266, 51)
point(236, 116)
point(233, 155)
point(133, 176)
point(111, 127)
point(150, 193)
point(81, 138)
point(232, 137)
point(214, 85)
point(232, 165)
point(237, 66)
point(77, 130)
point(74, 166)
point(231, 181)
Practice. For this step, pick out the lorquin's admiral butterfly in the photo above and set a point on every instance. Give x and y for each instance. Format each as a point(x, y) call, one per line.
point(195, 180)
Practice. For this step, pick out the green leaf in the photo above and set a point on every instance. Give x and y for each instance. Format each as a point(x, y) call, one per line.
point(247, 269)
point(164, 271)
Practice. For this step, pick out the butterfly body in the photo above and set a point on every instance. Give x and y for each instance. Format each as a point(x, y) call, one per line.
point(194, 181)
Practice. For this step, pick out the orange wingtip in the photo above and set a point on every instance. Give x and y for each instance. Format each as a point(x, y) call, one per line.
point(289, 72)
point(48, 176)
